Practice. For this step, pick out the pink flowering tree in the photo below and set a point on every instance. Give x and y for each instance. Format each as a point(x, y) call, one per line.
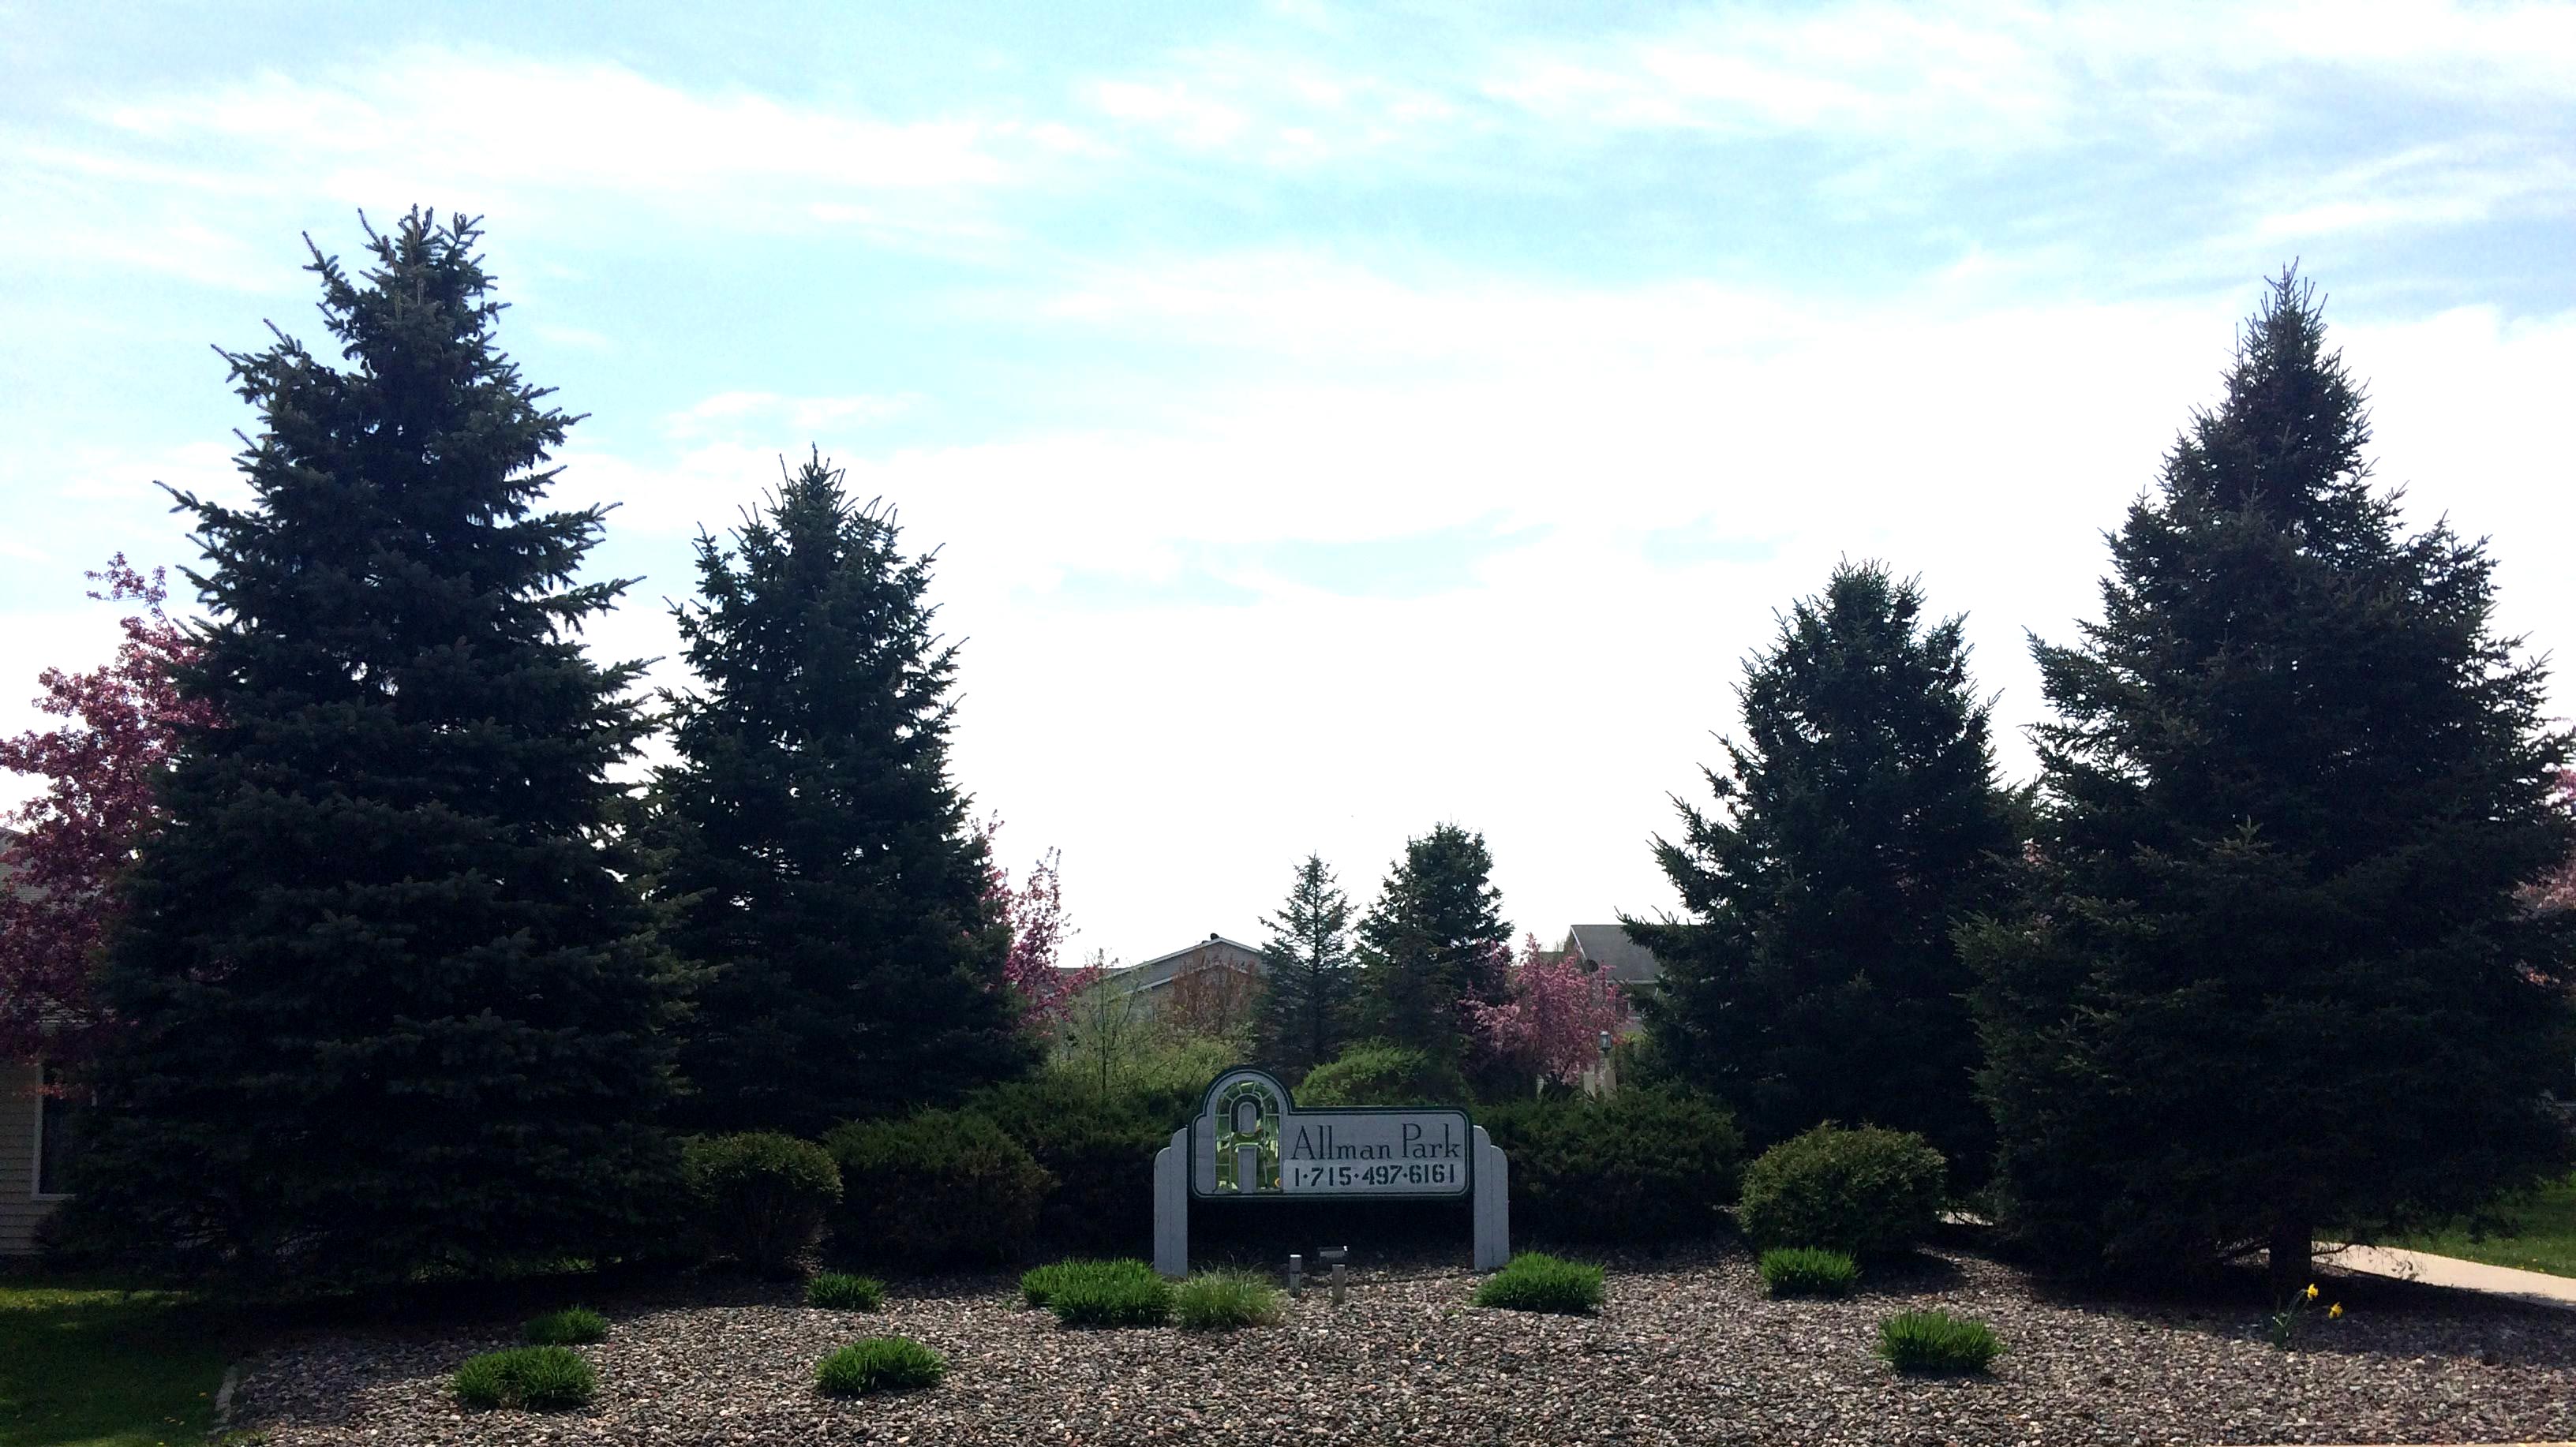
point(122, 720)
point(1035, 911)
point(1551, 1025)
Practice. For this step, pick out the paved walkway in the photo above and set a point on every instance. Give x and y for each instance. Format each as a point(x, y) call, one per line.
point(2532, 1286)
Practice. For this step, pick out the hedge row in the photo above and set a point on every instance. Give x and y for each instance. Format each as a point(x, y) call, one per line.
point(1049, 1159)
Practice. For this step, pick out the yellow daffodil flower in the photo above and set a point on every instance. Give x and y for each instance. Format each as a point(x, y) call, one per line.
point(2334, 1311)
point(2312, 1291)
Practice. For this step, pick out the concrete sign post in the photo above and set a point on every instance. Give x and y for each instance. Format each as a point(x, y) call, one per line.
point(1250, 1142)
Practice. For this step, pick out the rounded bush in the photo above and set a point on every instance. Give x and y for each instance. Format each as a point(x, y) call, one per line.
point(541, 1379)
point(1103, 1294)
point(1376, 1073)
point(569, 1327)
point(1866, 1192)
point(880, 1364)
point(1637, 1167)
point(839, 1291)
point(1223, 1301)
point(759, 1197)
point(1926, 1342)
point(943, 1185)
point(1808, 1271)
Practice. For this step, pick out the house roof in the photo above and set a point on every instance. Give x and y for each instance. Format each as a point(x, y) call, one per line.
point(1159, 970)
point(1608, 946)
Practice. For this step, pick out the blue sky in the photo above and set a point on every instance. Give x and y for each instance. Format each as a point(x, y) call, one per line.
point(1333, 419)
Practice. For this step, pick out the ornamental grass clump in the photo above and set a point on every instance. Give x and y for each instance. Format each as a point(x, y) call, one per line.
point(839, 1291)
point(1809, 1271)
point(572, 1326)
point(1927, 1343)
point(1106, 1294)
point(1225, 1300)
point(1535, 1281)
point(541, 1379)
point(879, 1364)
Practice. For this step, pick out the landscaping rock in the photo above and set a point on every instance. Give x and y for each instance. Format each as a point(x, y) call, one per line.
point(1685, 1350)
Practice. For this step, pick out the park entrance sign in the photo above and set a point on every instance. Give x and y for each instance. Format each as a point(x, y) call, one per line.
point(1250, 1142)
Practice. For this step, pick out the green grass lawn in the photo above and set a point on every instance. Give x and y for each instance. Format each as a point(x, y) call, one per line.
point(87, 1365)
point(2540, 1234)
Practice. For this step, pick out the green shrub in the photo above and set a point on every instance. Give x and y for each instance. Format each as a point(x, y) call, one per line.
point(541, 1379)
point(1102, 1293)
point(1935, 1341)
point(880, 1364)
point(569, 1327)
point(1867, 1192)
point(1376, 1073)
point(1224, 1300)
point(1099, 1148)
point(838, 1291)
point(1637, 1167)
point(1809, 1271)
point(1534, 1281)
point(944, 1185)
point(759, 1197)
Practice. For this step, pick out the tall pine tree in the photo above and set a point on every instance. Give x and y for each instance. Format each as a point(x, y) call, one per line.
point(2275, 975)
point(1858, 822)
point(1306, 1002)
point(823, 870)
point(1436, 936)
point(387, 997)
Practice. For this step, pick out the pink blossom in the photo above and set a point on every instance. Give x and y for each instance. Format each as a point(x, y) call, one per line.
point(125, 718)
point(1035, 911)
point(1559, 1007)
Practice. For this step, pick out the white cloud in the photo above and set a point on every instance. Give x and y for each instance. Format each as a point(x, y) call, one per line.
point(2452, 184)
point(733, 412)
point(1184, 753)
point(1959, 77)
point(165, 183)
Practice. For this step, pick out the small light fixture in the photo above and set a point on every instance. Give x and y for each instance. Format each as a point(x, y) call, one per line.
point(1605, 1044)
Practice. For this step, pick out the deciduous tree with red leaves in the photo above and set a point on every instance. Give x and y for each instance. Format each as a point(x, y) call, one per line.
point(1035, 910)
point(1552, 1024)
point(121, 722)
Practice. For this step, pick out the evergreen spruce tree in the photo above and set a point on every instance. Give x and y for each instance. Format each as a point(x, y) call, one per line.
point(1306, 1001)
point(387, 997)
point(821, 866)
point(1436, 936)
point(2275, 975)
point(1858, 822)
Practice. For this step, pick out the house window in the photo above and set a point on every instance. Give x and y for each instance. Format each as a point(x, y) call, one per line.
point(58, 1136)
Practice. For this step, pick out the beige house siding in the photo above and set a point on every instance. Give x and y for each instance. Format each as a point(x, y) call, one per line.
point(20, 1207)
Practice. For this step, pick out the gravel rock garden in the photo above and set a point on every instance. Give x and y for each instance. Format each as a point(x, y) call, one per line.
point(1686, 1348)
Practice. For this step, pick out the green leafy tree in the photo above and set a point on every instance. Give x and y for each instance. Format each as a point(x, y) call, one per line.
point(1307, 995)
point(1857, 822)
point(388, 998)
point(2275, 972)
point(1435, 938)
point(821, 866)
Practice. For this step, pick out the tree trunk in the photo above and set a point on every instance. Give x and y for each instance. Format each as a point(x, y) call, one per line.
point(2291, 1266)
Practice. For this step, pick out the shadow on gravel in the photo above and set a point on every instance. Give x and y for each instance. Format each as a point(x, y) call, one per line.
point(2382, 1317)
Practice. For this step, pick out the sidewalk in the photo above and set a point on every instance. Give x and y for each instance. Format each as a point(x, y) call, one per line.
point(2532, 1286)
